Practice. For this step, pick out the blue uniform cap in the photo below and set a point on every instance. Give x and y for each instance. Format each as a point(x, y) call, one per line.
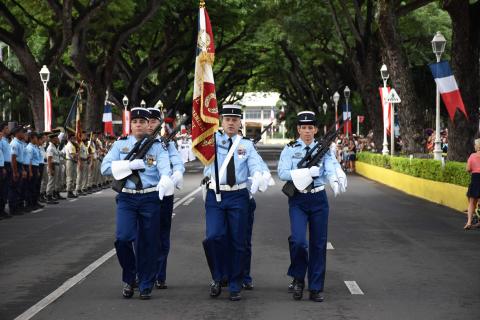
point(232, 110)
point(306, 117)
point(155, 113)
point(141, 113)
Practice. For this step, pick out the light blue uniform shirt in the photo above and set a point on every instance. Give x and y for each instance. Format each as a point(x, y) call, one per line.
point(7, 154)
point(2, 160)
point(175, 160)
point(31, 155)
point(16, 148)
point(156, 160)
point(246, 158)
point(38, 155)
point(291, 156)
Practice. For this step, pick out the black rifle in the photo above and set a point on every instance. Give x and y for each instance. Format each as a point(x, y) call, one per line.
point(259, 137)
point(138, 151)
point(322, 146)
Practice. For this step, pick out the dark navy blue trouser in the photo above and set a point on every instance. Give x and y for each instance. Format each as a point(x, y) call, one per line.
point(248, 253)
point(138, 219)
point(308, 210)
point(4, 185)
point(31, 187)
point(15, 189)
point(166, 208)
point(226, 225)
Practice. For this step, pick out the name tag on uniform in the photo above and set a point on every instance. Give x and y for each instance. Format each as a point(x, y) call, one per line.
point(298, 155)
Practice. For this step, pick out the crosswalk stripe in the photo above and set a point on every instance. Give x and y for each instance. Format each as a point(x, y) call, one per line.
point(353, 287)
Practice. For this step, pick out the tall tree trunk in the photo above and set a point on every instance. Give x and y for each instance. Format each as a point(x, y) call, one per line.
point(94, 110)
point(409, 114)
point(465, 56)
point(35, 97)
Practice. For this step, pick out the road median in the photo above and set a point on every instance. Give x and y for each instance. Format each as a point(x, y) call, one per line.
point(450, 195)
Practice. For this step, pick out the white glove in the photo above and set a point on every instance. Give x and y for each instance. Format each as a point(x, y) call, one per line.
point(342, 179)
point(136, 164)
point(314, 171)
point(334, 185)
point(177, 179)
point(257, 182)
point(268, 178)
point(165, 187)
point(61, 135)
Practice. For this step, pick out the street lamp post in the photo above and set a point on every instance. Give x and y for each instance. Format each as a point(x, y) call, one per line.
point(45, 76)
point(125, 102)
point(385, 76)
point(324, 106)
point(336, 98)
point(346, 93)
point(438, 46)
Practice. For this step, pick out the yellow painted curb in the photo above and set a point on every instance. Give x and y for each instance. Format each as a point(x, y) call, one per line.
point(446, 194)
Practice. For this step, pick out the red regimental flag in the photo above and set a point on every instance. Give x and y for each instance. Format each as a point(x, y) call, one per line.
point(386, 107)
point(48, 111)
point(204, 109)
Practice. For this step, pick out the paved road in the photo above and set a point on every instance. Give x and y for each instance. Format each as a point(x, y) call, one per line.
point(411, 259)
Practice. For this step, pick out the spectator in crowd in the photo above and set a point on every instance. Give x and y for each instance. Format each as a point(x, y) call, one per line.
point(473, 193)
point(352, 154)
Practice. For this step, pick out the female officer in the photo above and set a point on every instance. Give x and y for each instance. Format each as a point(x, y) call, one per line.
point(308, 206)
point(137, 205)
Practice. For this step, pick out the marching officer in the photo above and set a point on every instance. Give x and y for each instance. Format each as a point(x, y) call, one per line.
point(138, 216)
point(7, 174)
point(309, 206)
point(166, 207)
point(43, 150)
point(71, 163)
point(227, 205)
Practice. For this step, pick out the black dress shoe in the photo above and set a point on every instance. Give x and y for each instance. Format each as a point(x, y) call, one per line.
point(146, 294)
point(290, 287)
point(71, 195)
point(316, 296)
point(38, 206)
point(298, 286)
point(27, 209)
point(235, 296)
point(161, 285)
point(5, 215)
point(215, 289)
point(16, 212)
point(127, 291)
point(247, 286)
point(51, 200)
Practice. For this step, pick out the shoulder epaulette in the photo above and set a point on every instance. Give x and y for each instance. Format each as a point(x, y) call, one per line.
point(123, 138)
point(220, 131)
point(247, 139)
point(292, 143)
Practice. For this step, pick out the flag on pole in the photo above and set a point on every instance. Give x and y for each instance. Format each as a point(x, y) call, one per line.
point(386, 108)
point(107, 120)
point(78, 122)
point(448, 88)
point(347, 116)
point(125, 122)
point(204, 109)
point(48, 111)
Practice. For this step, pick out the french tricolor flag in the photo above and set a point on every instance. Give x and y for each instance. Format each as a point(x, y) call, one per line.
point(347, 116)
point(448, 88)
point(107, 120)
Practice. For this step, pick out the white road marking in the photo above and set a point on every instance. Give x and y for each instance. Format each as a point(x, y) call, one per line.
point(73, 200)
point(67, 285)
point(36, 211)
point(186, 203)
point(39, 306)
point(353, 287)
point(329, 246)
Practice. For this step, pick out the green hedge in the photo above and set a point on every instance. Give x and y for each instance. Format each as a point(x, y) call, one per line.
point(453, 172)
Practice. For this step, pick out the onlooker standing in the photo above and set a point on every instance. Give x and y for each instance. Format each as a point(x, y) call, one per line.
point(352, 156)
point(473, 193)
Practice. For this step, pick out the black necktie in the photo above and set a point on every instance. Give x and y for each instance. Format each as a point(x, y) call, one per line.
point(307, 149)
point(231, 167)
